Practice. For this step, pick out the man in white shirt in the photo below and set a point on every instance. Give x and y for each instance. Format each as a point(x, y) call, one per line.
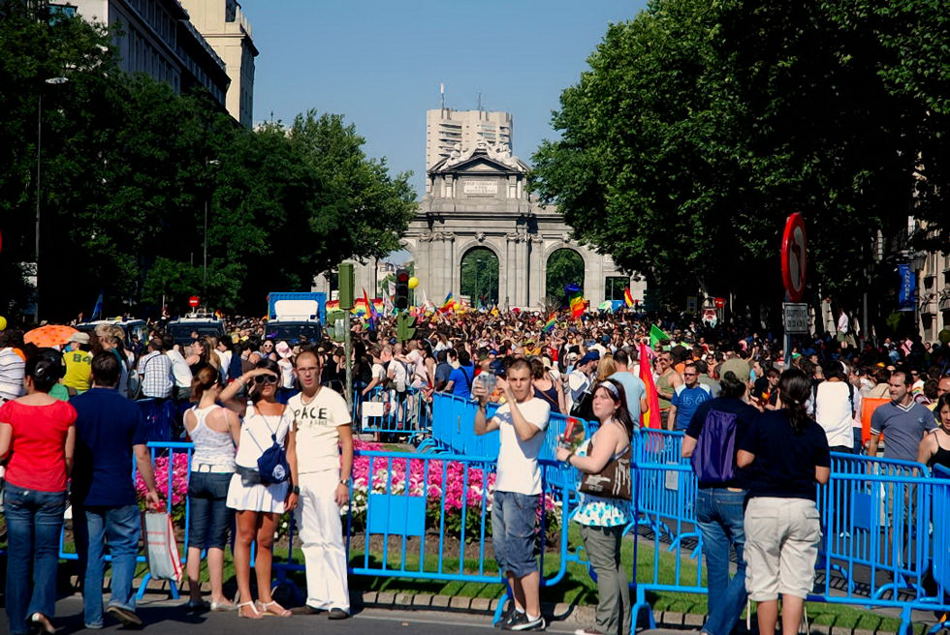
point(12, 365)
point(321, 429)
point(521, 422)
point(180, 370)
point(835, 408)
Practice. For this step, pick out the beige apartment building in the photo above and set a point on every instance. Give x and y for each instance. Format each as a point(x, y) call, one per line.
point(460, 131)
point(224, 26)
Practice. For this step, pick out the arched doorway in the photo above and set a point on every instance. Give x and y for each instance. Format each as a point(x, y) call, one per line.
point(479, 274)
point(565, 267)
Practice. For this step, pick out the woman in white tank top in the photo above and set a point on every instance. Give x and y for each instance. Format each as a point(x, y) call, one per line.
point(215, 432)
point(258, 507)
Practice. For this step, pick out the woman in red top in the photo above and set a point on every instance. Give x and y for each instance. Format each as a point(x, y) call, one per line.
point(37, 433)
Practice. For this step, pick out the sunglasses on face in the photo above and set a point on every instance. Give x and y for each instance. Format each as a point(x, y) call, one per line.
point(265, 379)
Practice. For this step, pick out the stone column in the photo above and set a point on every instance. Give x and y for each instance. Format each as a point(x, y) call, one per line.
point(511, 272)
point(536, 290)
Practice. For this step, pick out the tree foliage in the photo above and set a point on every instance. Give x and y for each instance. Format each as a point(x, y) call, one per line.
point(700, 126)
point(129, 169)
point(565, 266)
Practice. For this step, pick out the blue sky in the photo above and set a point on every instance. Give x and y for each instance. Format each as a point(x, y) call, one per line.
point(379, 63)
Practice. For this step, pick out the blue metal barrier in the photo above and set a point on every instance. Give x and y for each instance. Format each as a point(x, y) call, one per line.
point(667, 494)
point(941, 543)
point(168, 451)
point(405, 413)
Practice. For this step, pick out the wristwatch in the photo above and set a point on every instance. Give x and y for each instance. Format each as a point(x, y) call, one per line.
point(345, 482)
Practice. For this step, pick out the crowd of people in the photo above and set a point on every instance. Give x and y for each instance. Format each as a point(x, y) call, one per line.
point(272, 434)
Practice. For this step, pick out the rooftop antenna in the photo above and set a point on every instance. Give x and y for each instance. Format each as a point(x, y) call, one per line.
point(479, 100)
point(442, 91)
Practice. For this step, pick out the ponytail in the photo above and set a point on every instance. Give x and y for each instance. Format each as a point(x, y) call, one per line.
point(794, 390)
point(204, 379)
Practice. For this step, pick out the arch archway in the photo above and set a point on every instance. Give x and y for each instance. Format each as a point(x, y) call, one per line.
point(479, 276)
point(565, 266)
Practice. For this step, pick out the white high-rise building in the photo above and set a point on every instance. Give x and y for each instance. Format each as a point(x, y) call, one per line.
point(450, 130)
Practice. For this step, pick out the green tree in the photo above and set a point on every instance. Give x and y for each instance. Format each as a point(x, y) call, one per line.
point(699, 127)
point(479, 277)
point(565, 266)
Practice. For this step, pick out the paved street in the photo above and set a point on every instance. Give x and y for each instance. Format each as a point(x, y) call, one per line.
point(169, 616)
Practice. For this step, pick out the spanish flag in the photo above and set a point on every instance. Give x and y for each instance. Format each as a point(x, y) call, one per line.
point(628, 298)
point(650, 418)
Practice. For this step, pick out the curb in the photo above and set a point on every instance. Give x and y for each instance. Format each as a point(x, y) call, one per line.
point(567, 614)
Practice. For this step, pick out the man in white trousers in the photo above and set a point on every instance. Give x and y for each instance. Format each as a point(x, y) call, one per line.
point(322, 429)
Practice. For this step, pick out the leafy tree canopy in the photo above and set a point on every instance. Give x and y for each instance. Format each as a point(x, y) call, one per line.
point(700, 126)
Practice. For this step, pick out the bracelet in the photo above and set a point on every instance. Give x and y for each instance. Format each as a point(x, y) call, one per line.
point(345, 482)
point(568, 459)
point(296, 490)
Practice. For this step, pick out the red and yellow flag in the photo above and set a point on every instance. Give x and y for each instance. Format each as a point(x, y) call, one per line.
point(650, 418)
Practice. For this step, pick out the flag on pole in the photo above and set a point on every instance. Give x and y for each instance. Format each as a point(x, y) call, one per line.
point(650, 418)
point(371, 307)
point(656, 334)
point(97, 310)
point(628, 298)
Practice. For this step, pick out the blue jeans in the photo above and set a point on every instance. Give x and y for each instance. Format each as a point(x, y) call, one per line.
point(34, 522)
point(93, 527)
point(210, 515)
point(720, 518)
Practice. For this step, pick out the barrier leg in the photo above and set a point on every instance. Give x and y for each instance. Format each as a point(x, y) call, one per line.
point(641, 605)
point(143, 586)
point(500, 609)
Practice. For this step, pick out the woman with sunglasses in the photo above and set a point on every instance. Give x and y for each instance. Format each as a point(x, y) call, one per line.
point(258, 507)
point(602, 520)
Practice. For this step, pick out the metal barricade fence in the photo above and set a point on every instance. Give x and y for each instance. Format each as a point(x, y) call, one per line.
point(171, 461)
point(939, 591)
point(667, 495)
point(428, 517)
point(386, 411)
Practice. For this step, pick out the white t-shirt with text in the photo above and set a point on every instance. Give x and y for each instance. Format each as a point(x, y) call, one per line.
point(316, 421)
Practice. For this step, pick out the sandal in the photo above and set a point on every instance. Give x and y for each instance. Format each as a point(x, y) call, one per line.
point(255, 616)
point(279, 611)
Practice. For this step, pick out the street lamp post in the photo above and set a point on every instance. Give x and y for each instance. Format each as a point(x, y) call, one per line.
point(52, 81)
point(204, 263)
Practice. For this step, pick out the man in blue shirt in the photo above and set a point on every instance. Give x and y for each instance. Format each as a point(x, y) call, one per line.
point(460, 379)
point(109, 430)
point(633, 387)
point(686, 399)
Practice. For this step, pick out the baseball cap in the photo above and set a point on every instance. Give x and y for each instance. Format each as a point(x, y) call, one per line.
point(590, 356)
point(80, 337)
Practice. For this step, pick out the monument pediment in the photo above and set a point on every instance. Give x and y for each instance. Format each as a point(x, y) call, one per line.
point(482, 159)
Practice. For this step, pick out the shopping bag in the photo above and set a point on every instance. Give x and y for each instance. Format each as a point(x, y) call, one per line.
point(161, 550)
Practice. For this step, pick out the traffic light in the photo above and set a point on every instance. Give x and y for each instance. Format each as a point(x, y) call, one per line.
point(346, 285)
point(402, 290)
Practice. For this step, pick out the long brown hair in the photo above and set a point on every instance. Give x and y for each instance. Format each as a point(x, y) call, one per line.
point(204, 379)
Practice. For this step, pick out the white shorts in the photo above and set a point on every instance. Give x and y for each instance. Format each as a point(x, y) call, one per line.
point(781, 547)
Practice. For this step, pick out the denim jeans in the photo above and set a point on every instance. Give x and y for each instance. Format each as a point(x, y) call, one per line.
point(720, 518)
point(210, 515)
point(34, 522)
point(514, 533)
point(94, 527)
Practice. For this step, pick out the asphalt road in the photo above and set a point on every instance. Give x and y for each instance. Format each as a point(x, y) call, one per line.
point(169, 617)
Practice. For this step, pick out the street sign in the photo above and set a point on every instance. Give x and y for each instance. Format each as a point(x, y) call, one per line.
point(194, 301)
point(710, 317)
point(720, 303)
point(794, 258)
point(795, 318)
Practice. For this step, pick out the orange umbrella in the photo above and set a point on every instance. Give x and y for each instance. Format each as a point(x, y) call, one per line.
point(50, 335)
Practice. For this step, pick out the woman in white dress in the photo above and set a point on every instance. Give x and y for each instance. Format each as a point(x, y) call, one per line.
point(258, 507)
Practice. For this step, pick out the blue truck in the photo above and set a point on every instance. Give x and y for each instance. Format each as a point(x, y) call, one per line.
point(296, 316)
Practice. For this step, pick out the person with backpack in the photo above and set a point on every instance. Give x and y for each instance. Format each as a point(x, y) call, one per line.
point(259, 492)
point(710, 444)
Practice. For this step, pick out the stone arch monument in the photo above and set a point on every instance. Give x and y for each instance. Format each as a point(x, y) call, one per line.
point(479, 199)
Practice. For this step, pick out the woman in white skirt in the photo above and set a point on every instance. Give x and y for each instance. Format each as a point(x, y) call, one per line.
point(258, 507)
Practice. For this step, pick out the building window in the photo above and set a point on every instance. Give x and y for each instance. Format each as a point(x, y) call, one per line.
point(230, 11)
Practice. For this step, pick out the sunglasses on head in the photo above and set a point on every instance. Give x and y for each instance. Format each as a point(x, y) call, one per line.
point(265, 379)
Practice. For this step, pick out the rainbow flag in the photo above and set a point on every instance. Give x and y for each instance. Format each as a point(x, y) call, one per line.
point(333, 305)
point(578, 306)
point(628, 297)
point(449, 304)
point(373, 312)
point(650, 418)
point(550, 324)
